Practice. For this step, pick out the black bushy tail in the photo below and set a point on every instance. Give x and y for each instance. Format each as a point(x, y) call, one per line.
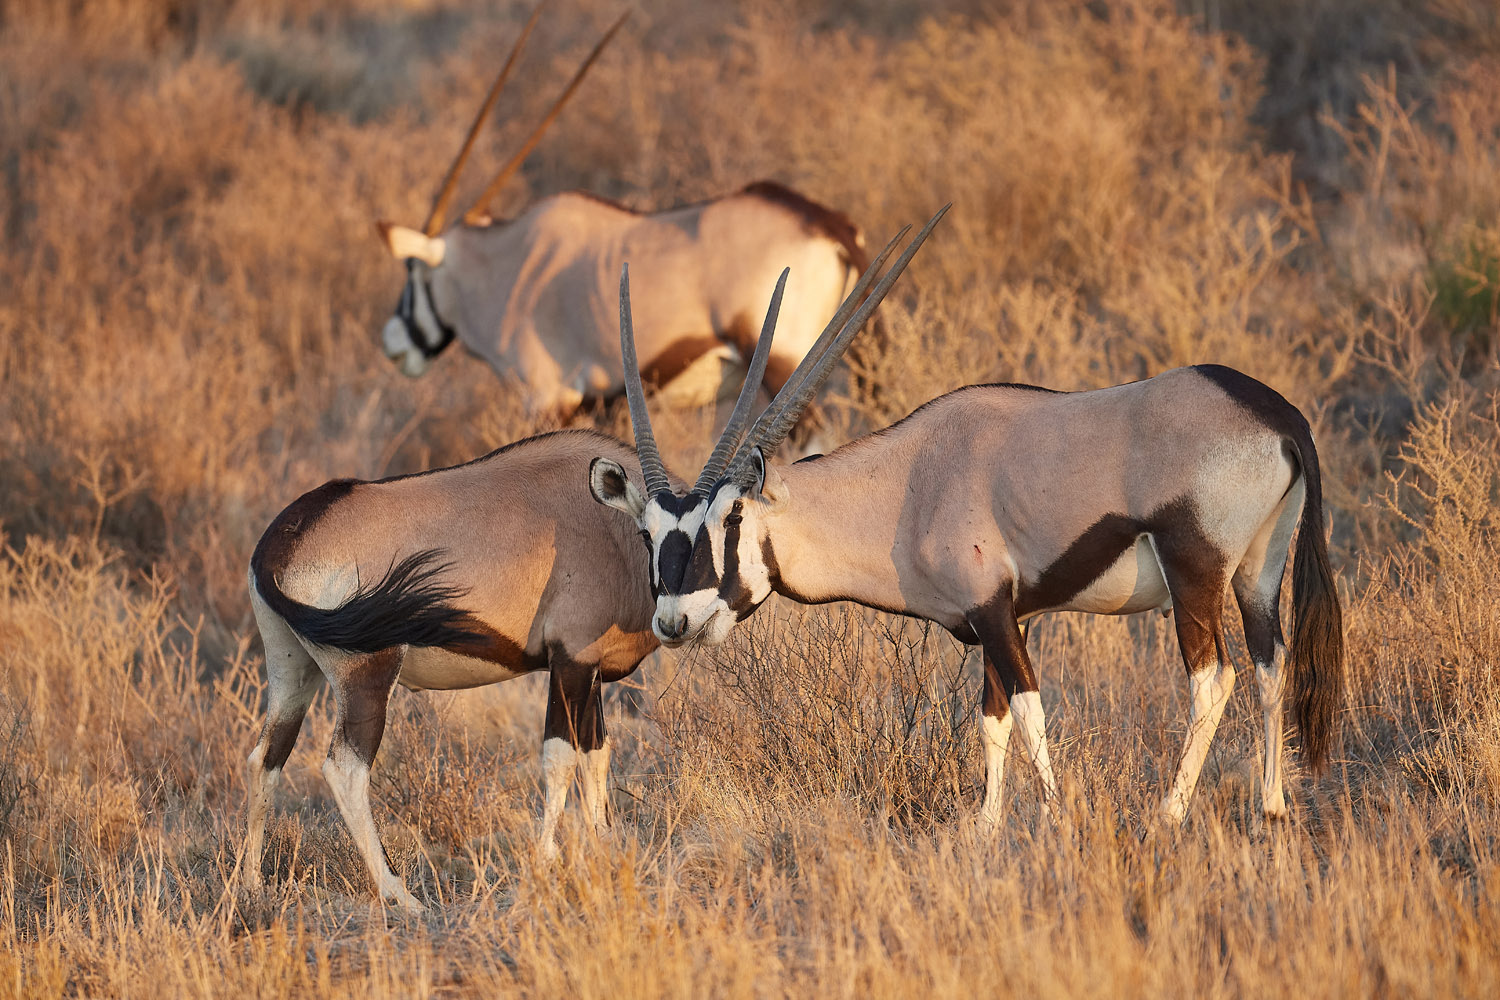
point(406, 607)
point(1317, 658)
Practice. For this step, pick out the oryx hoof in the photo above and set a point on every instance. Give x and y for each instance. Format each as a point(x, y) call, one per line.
point(396, 894)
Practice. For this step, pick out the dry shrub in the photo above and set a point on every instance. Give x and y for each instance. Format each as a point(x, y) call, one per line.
point(819, 705)
point(438, 779)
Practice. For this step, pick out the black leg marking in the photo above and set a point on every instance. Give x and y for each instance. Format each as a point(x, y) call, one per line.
point(1263, 633)
point(1006, 662)
point(575, 710)
point(364, 693)
point(1196, 575)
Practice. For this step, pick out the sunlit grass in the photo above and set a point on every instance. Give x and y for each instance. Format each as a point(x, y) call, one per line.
point(191, 293)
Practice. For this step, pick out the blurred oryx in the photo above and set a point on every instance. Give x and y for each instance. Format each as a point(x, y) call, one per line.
point(535, 296)
point(996, 503)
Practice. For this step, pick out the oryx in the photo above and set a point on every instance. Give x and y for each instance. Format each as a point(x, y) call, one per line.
point(449, 579)
point(996, 503)
point(534, 296)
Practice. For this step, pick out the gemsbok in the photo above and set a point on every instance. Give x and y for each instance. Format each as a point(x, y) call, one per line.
point(534, 296)
point(996, 503)
point(454, 578)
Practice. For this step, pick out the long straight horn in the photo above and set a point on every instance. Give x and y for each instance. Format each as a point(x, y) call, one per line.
point(776, 422)
point(740, 418)
point(652, 469)
point(434, 223)
point(480, 209)
point(835, 324)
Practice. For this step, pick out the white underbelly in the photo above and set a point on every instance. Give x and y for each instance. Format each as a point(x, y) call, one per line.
point(427, 668)
point(1134, 582)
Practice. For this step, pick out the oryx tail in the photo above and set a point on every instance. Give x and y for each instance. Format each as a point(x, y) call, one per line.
point(1317, 654)
point(406, 607)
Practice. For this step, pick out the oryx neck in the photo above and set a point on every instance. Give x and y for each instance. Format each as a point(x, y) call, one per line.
point(834, 538)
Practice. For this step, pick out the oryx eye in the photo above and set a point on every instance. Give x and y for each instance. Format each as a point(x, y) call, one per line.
point(732, 519)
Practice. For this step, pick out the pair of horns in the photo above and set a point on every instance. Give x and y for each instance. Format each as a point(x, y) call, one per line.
point(436, 217)
point(731, 457)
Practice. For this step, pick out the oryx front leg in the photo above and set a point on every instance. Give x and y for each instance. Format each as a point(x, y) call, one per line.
point(994, 731)
point(574, 728)
point(363, 687)
point(1011, 698)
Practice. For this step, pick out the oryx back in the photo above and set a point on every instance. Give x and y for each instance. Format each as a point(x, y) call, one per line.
point(536, 299)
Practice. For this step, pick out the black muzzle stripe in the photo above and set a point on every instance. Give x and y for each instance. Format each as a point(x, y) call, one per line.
point(732, 589)
point(406, 312)
point(672, 560)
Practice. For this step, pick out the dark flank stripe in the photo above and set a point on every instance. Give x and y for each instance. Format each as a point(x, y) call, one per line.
point(494, 647)
point(1175, 524)
point(677, 358)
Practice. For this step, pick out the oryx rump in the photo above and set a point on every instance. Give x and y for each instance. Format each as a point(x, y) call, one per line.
point(996, 503)
point(455, 578)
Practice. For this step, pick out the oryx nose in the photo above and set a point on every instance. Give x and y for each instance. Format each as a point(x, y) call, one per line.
point(671, 628)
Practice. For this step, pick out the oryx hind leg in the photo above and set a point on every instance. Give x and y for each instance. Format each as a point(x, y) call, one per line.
point(362, 684)
point(1257, 591)
point(292, 680)
point(573, 740)
point(1195, 575)
point(1012, 699)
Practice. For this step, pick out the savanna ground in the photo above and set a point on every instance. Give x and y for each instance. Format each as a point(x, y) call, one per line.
point(1304, 189)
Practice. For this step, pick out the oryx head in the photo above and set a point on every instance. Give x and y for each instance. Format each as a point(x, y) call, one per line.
point(710, 550)
point(421, 326)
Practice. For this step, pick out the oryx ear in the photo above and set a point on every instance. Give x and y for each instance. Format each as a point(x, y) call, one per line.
point(611, 487)
point(768, 482)
point(404, 243)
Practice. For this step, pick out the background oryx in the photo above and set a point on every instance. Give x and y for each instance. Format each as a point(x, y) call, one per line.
point(449, 579)
point(535, 298)
point(996, 503)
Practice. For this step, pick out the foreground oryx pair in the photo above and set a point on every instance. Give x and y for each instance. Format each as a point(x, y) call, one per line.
point(984, 507)
point(459, 578)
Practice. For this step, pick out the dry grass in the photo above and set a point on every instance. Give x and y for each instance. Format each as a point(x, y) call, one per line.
point(187, 341)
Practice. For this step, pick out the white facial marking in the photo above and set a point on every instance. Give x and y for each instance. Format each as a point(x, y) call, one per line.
point(709, 618)
point(395, 340)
